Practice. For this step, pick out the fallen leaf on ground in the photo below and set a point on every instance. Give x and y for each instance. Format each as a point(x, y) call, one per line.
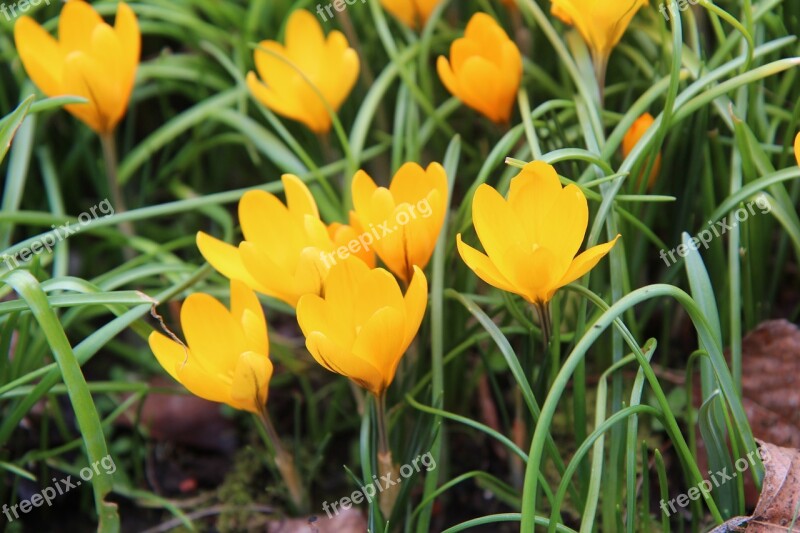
point(778, 508)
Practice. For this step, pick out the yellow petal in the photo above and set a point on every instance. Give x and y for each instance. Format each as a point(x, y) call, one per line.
point(105, 84)
point(586, 261)
point(566, 222)
point(227, 260)
point(532, 192)
point(376, 289)
point(415, 301)
point(76, 26)
point(169, 353)
point(77, 77)
point(247, 310)
point(448, 77)
point(381, 342)
point(40, 54)
point(344, 362)
point(483, 267)
point(277, 278)
point(403, 10)
point(304, 40)
point(130, 38)
point(496, 224)
point(211, 333)
point(266, 223)
point(363, 188)
point(179, 363)
point(250, 385)
point(298, 198)
point(535, 271)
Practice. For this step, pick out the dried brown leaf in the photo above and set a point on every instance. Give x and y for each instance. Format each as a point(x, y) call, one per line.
point(778, 508)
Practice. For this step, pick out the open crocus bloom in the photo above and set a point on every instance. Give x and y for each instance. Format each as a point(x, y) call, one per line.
point(363, 325)
point(293, 77)
point(600, 23)
point(287, 249)
point(406, 218)
point(484, 70)
point(90, 59)
point(226, 359)
point(532, 238)
point(412, 13)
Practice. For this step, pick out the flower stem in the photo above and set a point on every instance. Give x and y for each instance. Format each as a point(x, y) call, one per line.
point(543, 311)
point(284, 462)
point(112, 175)
point(386, 466)
point(600, 62)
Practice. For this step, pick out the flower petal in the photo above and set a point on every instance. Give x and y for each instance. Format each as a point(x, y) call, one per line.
point(227, 260)
point(483, 267)
point(586, 261)
point(41, 55)
point(250, 386)
point(211, 332)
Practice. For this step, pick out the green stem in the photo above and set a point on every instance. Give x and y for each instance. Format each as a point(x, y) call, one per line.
point(284, 462)
point(112, 176)
point(386, 466)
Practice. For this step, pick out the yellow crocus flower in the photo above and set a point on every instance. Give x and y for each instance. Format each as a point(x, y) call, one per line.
point(531, 239)
point(601, 23)
point(363, 325)
point(797, 148)
point(295, 77)
point(484, 70)
point(632, 136)
point(287, 250)
point(406, 218)
point(90, 59)
point(226, 357)
point(412, 13)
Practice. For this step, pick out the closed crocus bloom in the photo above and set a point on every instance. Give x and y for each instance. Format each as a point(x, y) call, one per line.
point(363, 325)
point(283, 252)
point(226, 357)
point(484, 70)
point(90, 59)
point(293, 77)
point(406, 218)
point(600, 23)
point(350, 239)
point(531, 239)
point(632, 136)
point(412, 13)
